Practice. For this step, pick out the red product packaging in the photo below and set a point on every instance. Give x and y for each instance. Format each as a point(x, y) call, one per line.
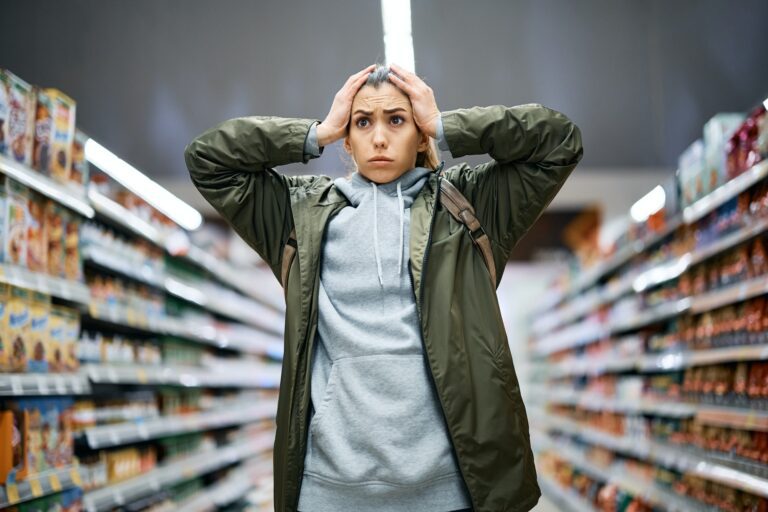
point(17, 117)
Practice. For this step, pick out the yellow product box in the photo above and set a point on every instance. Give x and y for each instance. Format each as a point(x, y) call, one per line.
point(17, 218)
point(56, 344)
point(18, 328)
point(54, 234)
point(37, 242)
point(70, 337)
point(54, 133)
point(80, 171)
point(5, 345)
point(73, 266)
point(37, 347)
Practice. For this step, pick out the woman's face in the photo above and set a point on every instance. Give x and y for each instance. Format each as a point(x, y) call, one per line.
point(382, 126)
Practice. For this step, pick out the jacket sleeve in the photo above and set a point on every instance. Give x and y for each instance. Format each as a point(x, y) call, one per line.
point(534, 150)
point(232, 165)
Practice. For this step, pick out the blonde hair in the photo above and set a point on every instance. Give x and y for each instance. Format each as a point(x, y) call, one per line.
point(429, 158)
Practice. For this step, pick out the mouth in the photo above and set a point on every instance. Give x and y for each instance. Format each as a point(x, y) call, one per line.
point(380, 159)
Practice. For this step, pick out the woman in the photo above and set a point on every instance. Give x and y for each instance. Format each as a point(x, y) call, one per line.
point(398, 391)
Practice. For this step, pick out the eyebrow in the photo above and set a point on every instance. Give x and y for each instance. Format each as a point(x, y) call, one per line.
point(386, 111)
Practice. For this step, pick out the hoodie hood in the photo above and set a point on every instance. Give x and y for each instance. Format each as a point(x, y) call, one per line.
point(357, 189)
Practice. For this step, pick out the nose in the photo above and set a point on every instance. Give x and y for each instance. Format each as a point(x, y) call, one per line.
point(379, 137)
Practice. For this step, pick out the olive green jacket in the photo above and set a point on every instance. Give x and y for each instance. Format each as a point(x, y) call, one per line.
point(534, 149)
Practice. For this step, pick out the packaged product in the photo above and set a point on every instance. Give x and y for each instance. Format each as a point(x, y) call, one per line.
point(54, 234)
point(17, 120)
point(749, 143)
point(18, 328)
point(54, 133)
point(71, 335)
point(5, 345)
point(78, 174)
point(17, 216)
point(37, 349)
point(73, 267)
point(690, 168)
point(14, 428)
point(717, 132)
point(37, 243)
point(56, 343)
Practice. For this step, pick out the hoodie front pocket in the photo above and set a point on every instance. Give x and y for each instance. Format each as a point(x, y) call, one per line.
point(380, 421)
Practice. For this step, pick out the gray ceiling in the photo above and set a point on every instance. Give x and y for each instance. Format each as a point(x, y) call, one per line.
point(640, 78)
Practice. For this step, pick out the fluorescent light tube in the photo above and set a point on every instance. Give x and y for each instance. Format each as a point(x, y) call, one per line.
point(649, 204)
point(138, 183)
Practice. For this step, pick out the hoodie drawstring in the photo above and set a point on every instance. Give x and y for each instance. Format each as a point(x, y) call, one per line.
point(376, 234)
point(401, 205)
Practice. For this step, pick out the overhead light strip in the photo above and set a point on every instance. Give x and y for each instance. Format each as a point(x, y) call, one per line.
point(138, 183)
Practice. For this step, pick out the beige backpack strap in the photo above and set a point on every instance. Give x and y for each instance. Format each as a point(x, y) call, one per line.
point(455, 202)
point(288, 253)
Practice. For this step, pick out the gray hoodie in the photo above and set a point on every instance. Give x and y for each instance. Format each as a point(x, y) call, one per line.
point(377, 438)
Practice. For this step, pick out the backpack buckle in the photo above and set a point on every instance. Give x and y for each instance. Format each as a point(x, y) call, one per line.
point(477, 233)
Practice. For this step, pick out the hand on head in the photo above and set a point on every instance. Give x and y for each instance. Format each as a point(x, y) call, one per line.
point(422, 97)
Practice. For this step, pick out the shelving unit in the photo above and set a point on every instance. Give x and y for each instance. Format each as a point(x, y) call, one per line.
point(594, 358)
point(237, 322)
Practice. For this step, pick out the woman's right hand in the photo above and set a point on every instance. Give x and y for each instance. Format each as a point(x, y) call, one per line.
point(334, 126)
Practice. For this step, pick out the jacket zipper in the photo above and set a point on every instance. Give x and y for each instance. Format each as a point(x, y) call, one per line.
point(418, 311)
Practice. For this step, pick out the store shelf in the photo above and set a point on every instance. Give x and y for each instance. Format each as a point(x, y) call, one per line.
point(725, 192)
point(667, 455)
point(565, 498)
point(595, 402)
point(231, 488)
point(42, 484)
point(21, 277)
point(129, 432)
point(167, 475)
point(616, 474)
point(266, 376)
point(667, 361)
point(102, 257)
point(121, 216)
point(731, 294)
point(69, 196)
point(749, 419)
point(43, 384)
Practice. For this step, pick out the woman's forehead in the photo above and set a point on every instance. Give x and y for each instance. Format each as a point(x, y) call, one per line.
point(385, 96)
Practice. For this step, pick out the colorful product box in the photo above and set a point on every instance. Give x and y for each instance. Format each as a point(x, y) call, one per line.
point(691, 173)
point(73, 266)
point(18, 328)
point(54, 134)
point(54, 234)
point(71, 335)
point(37, 352)
point(717, 132)
point(17, 108)
point(5, 345)
point(37, 243)
point(80, 171)
point(17, 218)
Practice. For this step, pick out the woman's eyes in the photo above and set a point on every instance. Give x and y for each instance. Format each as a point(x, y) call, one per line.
point(360, 120)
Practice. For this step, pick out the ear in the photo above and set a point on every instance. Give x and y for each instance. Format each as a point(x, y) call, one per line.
point(347, 145)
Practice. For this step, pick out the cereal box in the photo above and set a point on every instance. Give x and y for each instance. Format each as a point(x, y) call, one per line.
point(70, 337)
point(54, 133)
point(73, 267)
point(14, 428)
point(41, 156)
point(17, 108)
point(80, 171)
point(56, 356)
point(37, 348)
point(5, 347)
point(16, 220)
point(54, 235)
point(18, 328)
point(37, 243)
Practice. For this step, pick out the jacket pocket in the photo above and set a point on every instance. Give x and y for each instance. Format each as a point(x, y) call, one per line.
point(380, 421)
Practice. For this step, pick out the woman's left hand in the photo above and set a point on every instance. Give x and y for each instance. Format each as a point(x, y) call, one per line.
point(425, 111)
